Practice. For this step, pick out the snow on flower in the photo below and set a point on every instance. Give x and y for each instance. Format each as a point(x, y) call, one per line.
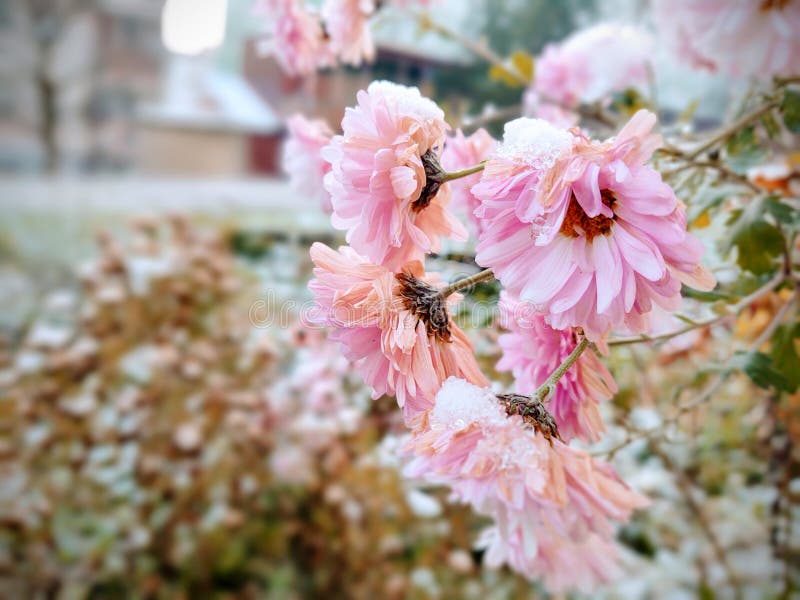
point(587, 67)
point(583, 229)
point(392, 211)
point(393, 325)
point(744, 38)
point(461, 152)
point(532, 350)
point(507, 460)
point(294, 37)
point(302, 158)
point(347, 25)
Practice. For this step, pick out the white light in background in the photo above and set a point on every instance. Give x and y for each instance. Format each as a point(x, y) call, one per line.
point(193, 26)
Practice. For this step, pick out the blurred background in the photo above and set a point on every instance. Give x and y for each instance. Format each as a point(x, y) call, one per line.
point(168, 428)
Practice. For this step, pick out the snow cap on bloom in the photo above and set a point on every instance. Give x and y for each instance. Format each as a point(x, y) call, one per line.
point(392, 210)
point(583, 229)
point(587, 67)
point(393, 326)
point(532, 350)
point(461, 152)
point(741, 38)
point(294, 37)
point(347, 26)
point(302, 158)
point(507, 461)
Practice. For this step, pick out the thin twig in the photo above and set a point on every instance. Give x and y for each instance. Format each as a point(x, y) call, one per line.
point(544, 391)
point(738, 307)
point(686, 486)
point(463, 172)
point(465, 283)
point(726, 132)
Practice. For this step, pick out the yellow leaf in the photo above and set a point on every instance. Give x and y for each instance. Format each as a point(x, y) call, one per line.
point(505, 75)
point(524, 64)
point(702, 220)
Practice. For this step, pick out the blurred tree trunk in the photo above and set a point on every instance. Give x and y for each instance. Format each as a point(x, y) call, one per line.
point(47, 92)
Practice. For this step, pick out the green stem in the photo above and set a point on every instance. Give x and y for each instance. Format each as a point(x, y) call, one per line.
point(544, 391)
point(462, 173)
point(462, 284)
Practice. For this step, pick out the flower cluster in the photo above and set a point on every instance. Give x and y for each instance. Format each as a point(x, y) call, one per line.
point(585, 238)
point(304, 38)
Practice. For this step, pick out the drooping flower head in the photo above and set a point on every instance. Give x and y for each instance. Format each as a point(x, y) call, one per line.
point(585, 230)
point(394, 325)
point(392, 210)
point(461, 152)
point(302, 158)
point(294, 37)
point(744, 38)
point(586, 67)
point(347, 26)
point(503, 455)
point(532, 350)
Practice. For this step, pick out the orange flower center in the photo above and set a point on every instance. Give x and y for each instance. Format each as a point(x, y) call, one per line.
point(577, 222)
point(773, 4)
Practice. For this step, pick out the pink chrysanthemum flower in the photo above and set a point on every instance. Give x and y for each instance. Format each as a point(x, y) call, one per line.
point(347, 25)
point(302, 158)
point(532, 350)
point(584, 230)
point(561, 564)
point(393, 212)
point(462, 152)
point(744, 38)
point(503, 455)
point(295, 36)
point(588, 66)
point(393, 325)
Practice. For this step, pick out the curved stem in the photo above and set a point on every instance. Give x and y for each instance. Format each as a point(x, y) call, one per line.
point(462, 284)
point(463, 172)
point(543, 391)
point(728, 131)
point(476, 48)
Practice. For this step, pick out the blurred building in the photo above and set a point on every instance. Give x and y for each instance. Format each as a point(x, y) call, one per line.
point(87, 86)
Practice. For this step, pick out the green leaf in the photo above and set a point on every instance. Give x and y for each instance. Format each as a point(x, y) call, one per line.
point(786, 354)
point(760, 369)
point(758, 242)
point(790, 109)
point(770, 124)
point(784, 214)
point(744, 150)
